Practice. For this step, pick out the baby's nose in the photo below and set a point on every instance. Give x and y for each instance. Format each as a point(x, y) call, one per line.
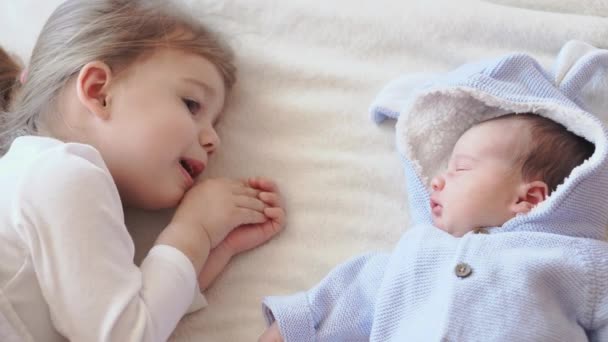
point(437, 183)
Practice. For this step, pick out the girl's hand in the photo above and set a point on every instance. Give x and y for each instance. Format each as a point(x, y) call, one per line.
point(247, 236)
point(216, 206)
point(251, 235)
point(207, 213)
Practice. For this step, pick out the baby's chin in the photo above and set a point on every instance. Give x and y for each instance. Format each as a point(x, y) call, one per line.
point(448, 229)
point(438, 224)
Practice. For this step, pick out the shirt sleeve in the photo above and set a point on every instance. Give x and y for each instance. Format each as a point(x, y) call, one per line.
point(72, 220)
point(339, 308)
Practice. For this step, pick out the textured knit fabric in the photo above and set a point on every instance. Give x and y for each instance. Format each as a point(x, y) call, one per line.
point(542, 276)
point(67, 270)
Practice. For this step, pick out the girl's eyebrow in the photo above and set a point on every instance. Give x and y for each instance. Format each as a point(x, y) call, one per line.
point(207, 90)
point(464, 157)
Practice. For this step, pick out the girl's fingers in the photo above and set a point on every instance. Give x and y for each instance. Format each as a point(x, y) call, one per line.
point(253, 182)
point(264, 184)
point(276, 214)
point(248, 216)
point(246, 191)
point(252, 203)
point(270, 198)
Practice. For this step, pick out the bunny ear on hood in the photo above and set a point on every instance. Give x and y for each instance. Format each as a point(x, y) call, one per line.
point(590, 95)
point(431, 116)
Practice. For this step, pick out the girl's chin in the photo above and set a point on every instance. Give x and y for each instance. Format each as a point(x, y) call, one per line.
point(171, 201)
point(166, 200)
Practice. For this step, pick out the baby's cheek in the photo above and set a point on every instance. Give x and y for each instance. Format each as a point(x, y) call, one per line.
point(469, 213)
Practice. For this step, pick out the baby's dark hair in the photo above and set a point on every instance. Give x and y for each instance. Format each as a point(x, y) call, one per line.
point(554, 152)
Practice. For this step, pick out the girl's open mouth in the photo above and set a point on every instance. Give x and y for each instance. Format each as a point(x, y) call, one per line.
point(192, 167)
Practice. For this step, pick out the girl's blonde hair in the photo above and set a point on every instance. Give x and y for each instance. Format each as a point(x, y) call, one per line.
point(116, 32)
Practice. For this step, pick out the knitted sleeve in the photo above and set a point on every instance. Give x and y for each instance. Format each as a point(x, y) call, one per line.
point(340, 308)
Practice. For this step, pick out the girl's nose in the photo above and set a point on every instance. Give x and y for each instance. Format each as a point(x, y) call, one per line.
point(437, 183)
point(209, 140)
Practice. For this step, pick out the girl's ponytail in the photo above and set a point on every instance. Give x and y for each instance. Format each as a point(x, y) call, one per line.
point(9, 83)
point(9, 79)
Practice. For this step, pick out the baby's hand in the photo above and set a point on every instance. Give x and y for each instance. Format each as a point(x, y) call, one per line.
point(272, 334)
point(216, 206)
point(251, 235)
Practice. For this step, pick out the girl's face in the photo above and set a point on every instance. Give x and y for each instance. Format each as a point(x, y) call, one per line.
point(161, 129)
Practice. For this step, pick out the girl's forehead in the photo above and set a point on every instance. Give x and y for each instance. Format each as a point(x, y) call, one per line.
point(176, 59)
point(181, 66)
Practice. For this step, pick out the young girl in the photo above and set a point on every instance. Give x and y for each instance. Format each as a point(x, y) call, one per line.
point(117, 108)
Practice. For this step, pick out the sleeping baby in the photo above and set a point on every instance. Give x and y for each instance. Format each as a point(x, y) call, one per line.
point(507, 244)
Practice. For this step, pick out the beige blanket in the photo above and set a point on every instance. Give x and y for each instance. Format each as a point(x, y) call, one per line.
point(308, 72)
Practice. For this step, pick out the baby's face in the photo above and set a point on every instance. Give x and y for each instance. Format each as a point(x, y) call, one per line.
point(483, 177)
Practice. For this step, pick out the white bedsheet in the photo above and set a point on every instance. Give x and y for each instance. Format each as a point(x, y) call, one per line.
point(308, 71)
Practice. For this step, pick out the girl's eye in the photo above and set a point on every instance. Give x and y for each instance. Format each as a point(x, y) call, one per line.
point(459, 168)
point(192, 105)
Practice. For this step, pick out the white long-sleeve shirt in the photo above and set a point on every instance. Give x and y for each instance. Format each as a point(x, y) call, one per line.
point(67, 269)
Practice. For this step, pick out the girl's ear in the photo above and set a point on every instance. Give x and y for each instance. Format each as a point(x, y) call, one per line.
point(530, 195)
point(92, 88)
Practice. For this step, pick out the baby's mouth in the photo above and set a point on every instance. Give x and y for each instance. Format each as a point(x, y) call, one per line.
point(436, 207)
point(434, 203)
